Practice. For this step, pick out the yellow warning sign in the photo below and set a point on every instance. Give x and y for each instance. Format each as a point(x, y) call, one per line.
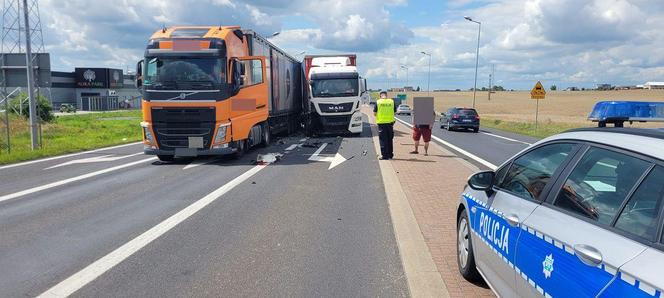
point(538, 91)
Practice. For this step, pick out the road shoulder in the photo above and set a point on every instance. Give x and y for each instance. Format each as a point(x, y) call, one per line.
point(423, 193)
point(423, 278)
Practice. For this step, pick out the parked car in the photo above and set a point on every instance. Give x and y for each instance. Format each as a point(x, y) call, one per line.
point(577, 214)
point(67, 108)
point(460, 118)
point(404, 109)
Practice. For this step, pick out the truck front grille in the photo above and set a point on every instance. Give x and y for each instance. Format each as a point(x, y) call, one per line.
point(336, 108)
point(174, 126)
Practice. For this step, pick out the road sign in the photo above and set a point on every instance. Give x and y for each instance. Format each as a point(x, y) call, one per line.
point(538, 91)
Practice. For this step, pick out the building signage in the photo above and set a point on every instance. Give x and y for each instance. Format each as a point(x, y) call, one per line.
point(99, 78)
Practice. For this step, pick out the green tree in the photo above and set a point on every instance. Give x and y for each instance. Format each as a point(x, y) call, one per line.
point(19, 105)
point(554, 88)
point(418, 89)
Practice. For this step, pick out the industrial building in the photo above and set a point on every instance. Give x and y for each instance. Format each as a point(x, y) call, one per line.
point(653, 85)
point(92, 88)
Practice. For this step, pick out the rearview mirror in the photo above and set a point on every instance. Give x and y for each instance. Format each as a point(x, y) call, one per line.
point(482, 181)
point(237, 76)
point(138, 82)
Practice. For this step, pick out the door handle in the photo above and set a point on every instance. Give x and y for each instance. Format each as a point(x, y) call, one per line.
point(588, 255)
point(512, 220)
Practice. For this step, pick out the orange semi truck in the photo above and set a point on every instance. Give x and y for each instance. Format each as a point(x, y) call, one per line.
point(215, 90)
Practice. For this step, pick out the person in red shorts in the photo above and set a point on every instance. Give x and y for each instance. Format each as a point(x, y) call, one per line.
point(422, 131)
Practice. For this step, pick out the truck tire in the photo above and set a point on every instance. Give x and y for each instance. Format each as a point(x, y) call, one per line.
point(266, 138)
point(166, 157)
point(242, 147)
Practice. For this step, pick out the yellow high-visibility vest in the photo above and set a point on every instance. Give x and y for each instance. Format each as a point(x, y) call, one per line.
point(385, 111)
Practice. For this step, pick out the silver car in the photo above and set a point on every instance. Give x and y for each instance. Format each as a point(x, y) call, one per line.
point(404, 109)
point(579, 214)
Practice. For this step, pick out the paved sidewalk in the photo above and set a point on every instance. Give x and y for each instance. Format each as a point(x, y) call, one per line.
point(432, 185)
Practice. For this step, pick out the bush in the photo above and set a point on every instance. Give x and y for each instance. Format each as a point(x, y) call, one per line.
point(20, 102)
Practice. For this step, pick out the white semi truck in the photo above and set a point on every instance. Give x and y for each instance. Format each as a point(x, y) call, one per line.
point(335, 92)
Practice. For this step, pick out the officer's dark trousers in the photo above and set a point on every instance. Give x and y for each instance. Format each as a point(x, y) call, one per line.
point(386, 136)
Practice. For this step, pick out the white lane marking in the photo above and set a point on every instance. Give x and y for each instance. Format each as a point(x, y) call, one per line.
point(334, 161)
point(102, 158)
point(303, 140)
point(199, 162)
point(105, 263)
point(505, 138)
point(65, 156)
point(70, 180)
point(455, 148)
point(291, 147)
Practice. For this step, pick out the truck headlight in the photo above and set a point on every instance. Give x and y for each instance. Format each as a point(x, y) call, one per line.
point(221, 133)
point(358, 118)
point(147, 133)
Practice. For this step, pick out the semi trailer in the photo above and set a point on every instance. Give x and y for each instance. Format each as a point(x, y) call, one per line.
point(334, 91)
point(215, 90)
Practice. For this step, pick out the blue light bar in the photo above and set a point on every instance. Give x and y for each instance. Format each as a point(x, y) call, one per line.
point(617, 112)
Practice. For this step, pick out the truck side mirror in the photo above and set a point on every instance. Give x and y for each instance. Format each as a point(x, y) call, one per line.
point(139, 74)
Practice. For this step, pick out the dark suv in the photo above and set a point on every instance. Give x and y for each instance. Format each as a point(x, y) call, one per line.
point(465, 118)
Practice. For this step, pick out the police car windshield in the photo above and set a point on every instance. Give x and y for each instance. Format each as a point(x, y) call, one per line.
point(183, 73)
point(334, 87)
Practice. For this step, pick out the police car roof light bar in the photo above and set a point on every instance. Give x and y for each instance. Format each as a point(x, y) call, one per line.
point(617, 112)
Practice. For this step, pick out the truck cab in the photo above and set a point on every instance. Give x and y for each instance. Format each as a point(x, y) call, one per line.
point(336, 91)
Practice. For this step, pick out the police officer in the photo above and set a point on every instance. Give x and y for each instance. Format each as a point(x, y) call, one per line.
point(384, 111)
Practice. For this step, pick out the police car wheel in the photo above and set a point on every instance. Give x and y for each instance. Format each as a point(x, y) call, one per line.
point(465, 256)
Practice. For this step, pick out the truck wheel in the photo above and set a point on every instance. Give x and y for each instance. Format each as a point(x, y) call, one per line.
point(465, 256)
point(241, 147)
point(266, 138)
point(166, 157)
point(476, 130)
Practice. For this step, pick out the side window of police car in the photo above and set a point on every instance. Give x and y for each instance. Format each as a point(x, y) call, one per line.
point(640, 215)
point(599, 183)
point(529, 174)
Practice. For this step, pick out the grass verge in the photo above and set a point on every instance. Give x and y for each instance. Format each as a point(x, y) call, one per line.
point(71, 133)
point(544, 129)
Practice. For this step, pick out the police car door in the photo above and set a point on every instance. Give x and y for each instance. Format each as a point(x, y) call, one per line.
point(496, 222)
point(642, 219)
point(566, 247)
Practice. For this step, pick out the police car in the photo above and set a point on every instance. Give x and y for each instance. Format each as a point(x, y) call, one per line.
point(577, 214)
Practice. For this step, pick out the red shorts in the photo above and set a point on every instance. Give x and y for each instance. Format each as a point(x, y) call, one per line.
point(424, 133)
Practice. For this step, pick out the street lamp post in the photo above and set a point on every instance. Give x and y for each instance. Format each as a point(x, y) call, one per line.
point(429, 76)
point(406, 68)
point(477, 55)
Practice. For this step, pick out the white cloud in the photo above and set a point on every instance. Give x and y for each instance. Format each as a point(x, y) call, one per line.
point(563, 42)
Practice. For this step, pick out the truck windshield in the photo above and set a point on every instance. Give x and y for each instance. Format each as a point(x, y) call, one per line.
point(334, 87)
point(184, 73)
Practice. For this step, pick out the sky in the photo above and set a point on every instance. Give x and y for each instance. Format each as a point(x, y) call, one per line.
point(559, 42)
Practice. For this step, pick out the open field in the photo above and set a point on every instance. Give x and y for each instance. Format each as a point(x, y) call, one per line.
point(71, 133)
point(569, 107)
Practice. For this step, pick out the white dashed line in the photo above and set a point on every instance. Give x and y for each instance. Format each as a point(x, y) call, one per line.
point(99, 267)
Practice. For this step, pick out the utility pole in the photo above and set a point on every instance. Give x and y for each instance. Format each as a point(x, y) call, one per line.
point(31, 79)
point(491, 78)
point(477, 55)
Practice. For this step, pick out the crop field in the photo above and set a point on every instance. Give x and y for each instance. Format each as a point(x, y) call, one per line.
point(564, 107)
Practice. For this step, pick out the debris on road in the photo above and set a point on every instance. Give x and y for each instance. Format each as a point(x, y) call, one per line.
point(268, 158)
point(364, 153)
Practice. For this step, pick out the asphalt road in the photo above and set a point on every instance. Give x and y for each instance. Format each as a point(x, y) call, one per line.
point(117, 223)
point(493, 146)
